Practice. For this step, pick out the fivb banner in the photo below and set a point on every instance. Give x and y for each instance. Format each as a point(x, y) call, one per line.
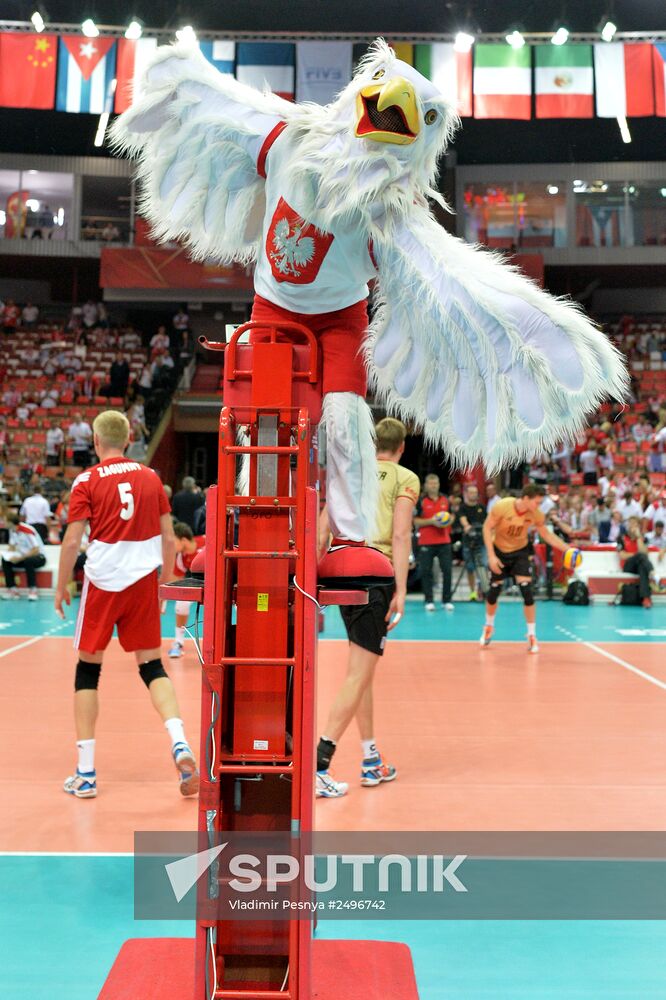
point(322, 70)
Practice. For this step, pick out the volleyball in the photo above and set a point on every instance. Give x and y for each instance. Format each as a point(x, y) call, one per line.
point(572, 558)
point(442, 518)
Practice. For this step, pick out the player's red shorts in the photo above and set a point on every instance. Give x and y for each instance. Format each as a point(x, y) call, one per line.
point(135, 611)
point(340, 335)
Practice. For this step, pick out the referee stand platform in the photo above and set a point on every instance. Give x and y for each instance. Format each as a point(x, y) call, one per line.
point(258, 654)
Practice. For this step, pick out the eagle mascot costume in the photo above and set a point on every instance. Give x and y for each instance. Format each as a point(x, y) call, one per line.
point(324, 200)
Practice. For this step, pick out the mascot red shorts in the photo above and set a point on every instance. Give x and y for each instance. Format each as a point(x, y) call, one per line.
point(340, 335)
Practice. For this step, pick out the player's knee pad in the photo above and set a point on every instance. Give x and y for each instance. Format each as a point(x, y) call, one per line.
point(87, 676)
point(528, 594)
point(492, 596)
point(183, 608)
point(152, 671)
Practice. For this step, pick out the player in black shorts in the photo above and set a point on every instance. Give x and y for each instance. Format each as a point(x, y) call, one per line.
point(506, 535)
point(367, 625)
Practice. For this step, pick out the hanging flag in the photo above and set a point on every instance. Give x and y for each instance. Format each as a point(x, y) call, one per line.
point(322, 70)
point(659, 66)
point(220, 54)
point(133, 57)
point(404, 51)
point(450, 71)
point(563, 81)
point(86, 74)
point(502, 82)
point(623, 80)
point(267, 64)
point(27, 70)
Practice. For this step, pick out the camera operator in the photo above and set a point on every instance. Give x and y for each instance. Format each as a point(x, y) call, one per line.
point(471, 515)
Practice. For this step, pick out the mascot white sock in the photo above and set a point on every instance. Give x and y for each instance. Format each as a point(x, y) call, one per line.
point(352, 487)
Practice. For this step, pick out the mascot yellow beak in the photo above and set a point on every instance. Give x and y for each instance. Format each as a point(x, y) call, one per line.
point(388, 112)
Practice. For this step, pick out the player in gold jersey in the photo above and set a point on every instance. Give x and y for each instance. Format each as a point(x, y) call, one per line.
point(505, 533)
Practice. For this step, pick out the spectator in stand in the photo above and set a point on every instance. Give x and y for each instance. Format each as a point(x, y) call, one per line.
point(88, 386)
point(434, 541)
point(26, 552)
point(657, 540)
point(634, 558)
point(589, 463)
point(599, 521)
point(145, 381)
point(79, 438)
point(187, 501)
point(159, 343)
point(120, 373)
point(606, 460)
point(10, 316)
point(49, 396)
point(137, 422)
point(129, 339)
point(162, 375)
point(36, 512)
point(55, 445)
point(11, 397)
point(180, 335)
point(562, 456)
point(656, 511)
point(89, 314)
point(29, 315)
point(110, 233)
point(628, 507)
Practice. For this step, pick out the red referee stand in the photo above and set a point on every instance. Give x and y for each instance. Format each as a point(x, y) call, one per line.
point(257, 753)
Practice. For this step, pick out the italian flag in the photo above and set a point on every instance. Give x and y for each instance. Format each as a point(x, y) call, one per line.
point(564, 82)
point(623, 80)
point(502, 82)
point(449, 71)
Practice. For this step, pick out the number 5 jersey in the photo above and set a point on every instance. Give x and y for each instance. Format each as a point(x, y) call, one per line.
point(123, 502)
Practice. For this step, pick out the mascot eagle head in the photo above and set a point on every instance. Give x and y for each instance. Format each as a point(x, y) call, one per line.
point(375, 148)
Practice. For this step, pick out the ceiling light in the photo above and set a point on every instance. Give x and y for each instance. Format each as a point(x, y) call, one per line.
point(101, 128)
point(463, 42)
point(560, 36)
point(624, 128)
point(608, 31)
point(515, 40)
point(3, 217)
point(32, 205)
point(89, 28)
point(552, 189)
point(37, 21)
point(134, 30)
point(186, 34)
point(662, 192)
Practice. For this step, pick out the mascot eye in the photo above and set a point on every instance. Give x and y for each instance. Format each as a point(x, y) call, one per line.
point(378, 75)
point(430, 116)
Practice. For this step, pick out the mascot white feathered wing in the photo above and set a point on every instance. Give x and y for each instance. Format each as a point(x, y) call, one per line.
point(324, 199)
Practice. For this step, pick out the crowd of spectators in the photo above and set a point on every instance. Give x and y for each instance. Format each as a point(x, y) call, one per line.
point(56, 376)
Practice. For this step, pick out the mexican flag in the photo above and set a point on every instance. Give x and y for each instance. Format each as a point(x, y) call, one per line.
point(502, 82)
point(450, 71)
point(563, 81)
point(624, 79)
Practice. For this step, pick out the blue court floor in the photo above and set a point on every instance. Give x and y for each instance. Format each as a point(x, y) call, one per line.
point(64, 918)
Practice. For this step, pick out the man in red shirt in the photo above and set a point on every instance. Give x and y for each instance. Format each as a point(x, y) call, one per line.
point(131, 536)
point(434, 541)
point(187, 546)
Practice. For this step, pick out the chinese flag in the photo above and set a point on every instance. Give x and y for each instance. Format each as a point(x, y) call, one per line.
point(27, 70)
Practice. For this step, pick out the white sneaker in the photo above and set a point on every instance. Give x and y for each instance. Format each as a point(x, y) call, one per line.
point(532, 644)
point(448, 606)
point(11, 595)
point(32, 596)
point(327, 787)
point(430, 606)
point(176, 650)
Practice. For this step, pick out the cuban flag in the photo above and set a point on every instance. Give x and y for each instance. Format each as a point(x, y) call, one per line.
point(86, 74)
point(267, 64)
point(220, 54)
point(659, 64)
